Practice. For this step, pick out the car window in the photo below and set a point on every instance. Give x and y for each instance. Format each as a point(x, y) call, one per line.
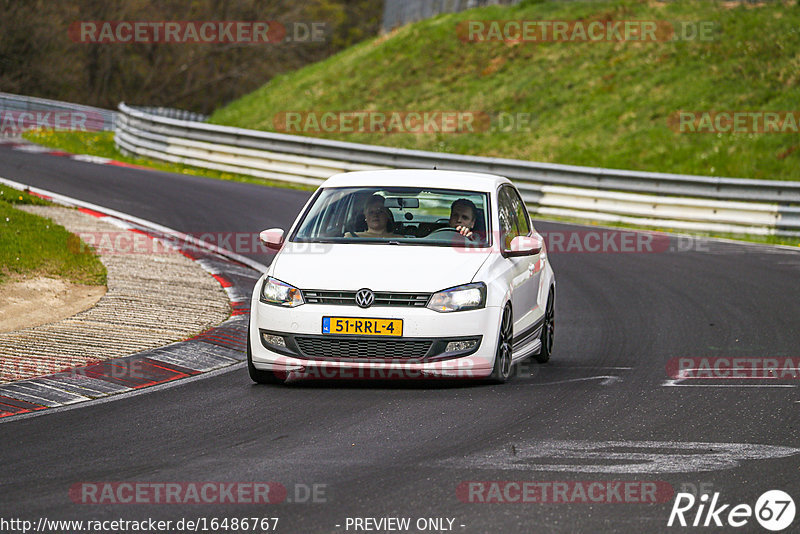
point(514, 219)
point(508, 226)
point(520, 213)
point(406, 215)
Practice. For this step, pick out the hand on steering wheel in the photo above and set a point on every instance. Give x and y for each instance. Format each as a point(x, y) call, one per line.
point(465, 231)
point(461, 230)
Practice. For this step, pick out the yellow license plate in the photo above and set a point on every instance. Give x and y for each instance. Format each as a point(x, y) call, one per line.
point(362, 326)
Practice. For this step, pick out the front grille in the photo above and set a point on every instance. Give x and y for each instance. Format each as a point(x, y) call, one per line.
point(348, 298)
point(375, 349)
point(329, 297)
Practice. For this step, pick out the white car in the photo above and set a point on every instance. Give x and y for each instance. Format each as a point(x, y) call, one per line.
point(404, 273)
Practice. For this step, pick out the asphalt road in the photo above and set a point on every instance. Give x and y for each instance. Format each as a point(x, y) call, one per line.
point(603, 409)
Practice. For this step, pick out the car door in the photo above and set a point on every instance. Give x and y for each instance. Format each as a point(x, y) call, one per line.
point(532, 286)
point(524, 270)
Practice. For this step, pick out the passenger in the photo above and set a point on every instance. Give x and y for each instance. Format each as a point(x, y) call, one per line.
point(463, 215)
point(380, 222)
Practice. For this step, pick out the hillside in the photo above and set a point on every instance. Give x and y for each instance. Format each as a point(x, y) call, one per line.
point(60, 49)
point(608, 104)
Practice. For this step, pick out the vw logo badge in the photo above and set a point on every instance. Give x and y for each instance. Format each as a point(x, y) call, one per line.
point(365, 298)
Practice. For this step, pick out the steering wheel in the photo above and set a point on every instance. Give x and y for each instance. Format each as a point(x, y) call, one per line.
point(448, 229)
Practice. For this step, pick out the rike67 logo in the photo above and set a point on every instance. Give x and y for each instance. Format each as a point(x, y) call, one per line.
point(774, 510)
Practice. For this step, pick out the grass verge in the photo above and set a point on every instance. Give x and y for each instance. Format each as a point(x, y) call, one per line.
point(35, 246)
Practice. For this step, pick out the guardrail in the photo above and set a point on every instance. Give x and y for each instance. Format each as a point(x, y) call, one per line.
point(96, 119)
point(174, 113)
point(699, 203)
point(400, 12)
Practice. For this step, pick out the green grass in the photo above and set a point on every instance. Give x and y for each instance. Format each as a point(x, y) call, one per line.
point(597, 104)
point(35, 246)
point(14, 196)
point(102, 144)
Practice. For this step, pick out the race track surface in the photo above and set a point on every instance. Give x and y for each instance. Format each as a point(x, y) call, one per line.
point(604, 409)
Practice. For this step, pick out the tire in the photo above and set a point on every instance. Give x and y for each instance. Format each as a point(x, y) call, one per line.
point(257, 375)
point(548, 330)
point(503, 355)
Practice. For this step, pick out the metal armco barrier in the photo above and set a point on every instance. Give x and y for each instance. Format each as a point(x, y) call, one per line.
point(96, 119)
point(699, 203)
point(399, 12)
point(174, 113)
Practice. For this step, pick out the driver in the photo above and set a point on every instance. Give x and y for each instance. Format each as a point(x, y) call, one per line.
point(462, 216)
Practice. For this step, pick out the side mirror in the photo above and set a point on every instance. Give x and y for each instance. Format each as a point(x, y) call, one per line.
point(524, 245)
point(272, 238)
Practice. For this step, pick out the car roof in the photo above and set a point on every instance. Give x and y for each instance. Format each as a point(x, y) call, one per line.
point(468, 181)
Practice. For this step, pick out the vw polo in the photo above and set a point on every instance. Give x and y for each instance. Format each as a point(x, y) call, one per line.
point(418, 272)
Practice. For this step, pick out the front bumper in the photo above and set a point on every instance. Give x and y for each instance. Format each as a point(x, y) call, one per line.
point(419, 353)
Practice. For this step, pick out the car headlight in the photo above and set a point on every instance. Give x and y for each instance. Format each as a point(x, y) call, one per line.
point(279, 293)
point(460, 298)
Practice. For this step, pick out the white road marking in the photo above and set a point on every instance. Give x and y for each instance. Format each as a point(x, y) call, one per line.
point(675, 383)
point(607, 380)
point(34, 149)
point(588, 367)
point(91, 159)
point(620, 456)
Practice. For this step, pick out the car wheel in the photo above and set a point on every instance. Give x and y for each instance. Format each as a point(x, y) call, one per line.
point(502, 359)
point(548, 330)
point(257, 375)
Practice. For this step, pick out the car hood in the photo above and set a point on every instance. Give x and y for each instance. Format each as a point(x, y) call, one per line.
point(380, 267)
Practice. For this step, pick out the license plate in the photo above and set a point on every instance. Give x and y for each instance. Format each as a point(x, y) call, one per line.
point(362, 326)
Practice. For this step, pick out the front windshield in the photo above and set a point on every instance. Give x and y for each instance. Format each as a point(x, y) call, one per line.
point(400, 215)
